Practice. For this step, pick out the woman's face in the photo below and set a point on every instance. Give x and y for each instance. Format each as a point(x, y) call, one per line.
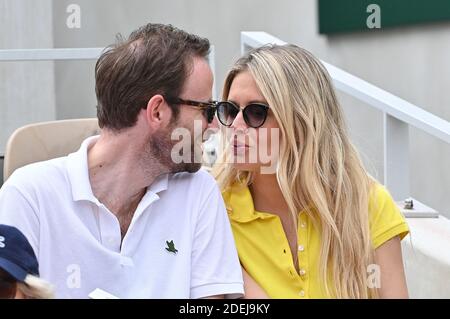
point(253, 149)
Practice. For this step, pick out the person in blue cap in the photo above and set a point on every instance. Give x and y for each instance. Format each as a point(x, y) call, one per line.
point(19, 268)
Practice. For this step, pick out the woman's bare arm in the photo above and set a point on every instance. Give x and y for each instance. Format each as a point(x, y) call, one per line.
point(393, 281)
point(251, 288)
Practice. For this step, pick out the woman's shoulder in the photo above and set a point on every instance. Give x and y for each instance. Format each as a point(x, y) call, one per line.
point(385, 217)
point(379, 193)
point(235, 189)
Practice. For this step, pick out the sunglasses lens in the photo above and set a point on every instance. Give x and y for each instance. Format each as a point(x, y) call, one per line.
point(226, 113)
point(209, 113)
point(255, 115)
point(7, 289)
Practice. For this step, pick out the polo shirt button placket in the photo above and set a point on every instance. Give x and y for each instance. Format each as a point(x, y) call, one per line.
point(301, 253)
point(110, 243)
point(302, 270)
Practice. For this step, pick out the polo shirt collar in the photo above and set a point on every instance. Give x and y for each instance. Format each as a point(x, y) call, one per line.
point(78, 174)
point(239, 205)
point(159, 185)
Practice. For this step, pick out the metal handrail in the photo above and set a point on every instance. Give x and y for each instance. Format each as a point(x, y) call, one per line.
point(50, 54)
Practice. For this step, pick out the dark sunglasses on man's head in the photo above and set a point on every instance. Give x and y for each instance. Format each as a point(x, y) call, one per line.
point(209, 108)
point(8, 286)
point(254, 114)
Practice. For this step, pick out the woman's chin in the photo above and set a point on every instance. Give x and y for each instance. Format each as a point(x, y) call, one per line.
point(246, 166)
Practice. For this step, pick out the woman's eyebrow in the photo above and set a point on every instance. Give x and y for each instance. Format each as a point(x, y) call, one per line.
point(250, 102)
point(259, 101)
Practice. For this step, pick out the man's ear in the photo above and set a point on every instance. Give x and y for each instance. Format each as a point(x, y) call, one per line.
point(158, 112)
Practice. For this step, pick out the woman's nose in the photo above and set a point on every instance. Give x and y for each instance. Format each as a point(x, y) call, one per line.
point(239, 122)
point(214, 124)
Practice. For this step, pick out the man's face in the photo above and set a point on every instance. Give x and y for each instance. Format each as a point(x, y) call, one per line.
point(183, 138)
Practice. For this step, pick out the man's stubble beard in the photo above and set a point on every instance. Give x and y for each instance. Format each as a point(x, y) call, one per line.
point(161, 146)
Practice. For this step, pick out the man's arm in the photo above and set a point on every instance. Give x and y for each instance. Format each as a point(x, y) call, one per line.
point(215, 297)
point(215, 270)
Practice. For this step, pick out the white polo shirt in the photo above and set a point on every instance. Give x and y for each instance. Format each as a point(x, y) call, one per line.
point(179, 243)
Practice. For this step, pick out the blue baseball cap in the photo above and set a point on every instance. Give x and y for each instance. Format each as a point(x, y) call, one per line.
point(17, 257)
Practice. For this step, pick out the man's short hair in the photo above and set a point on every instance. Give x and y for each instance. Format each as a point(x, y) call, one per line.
point(155, 59)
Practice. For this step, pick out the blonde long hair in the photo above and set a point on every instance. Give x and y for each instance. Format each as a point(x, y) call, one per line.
point(318, 170)
point(36, 288)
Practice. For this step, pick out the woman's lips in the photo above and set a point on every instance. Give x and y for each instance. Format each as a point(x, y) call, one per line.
point(239, 143)
point(240, 149)
point(240, 146)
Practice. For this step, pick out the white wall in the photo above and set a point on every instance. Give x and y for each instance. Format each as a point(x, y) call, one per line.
point(411, 62)
point(427, 258)
point(26, 88)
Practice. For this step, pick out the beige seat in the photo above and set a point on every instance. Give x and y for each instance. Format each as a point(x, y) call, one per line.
point(46, 140)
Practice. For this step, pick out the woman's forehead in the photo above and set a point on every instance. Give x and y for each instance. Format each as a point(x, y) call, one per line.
point(245, 88)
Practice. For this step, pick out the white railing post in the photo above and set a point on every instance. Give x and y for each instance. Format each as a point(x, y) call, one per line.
point(396, 157)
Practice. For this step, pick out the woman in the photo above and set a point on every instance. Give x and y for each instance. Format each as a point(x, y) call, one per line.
point(314, 224)
point(19, 268)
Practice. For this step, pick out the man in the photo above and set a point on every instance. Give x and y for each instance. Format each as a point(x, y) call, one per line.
point(120, 215)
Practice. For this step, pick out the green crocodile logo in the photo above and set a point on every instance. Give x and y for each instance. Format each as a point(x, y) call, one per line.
point(171, 247)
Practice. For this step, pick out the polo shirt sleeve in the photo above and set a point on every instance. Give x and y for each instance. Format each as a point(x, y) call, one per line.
point(215, 268)
point(19, 210)
point(385, 219)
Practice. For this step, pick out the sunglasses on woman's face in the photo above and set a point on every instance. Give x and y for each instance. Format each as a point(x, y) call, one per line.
point(8, 286)
point(254, 114)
